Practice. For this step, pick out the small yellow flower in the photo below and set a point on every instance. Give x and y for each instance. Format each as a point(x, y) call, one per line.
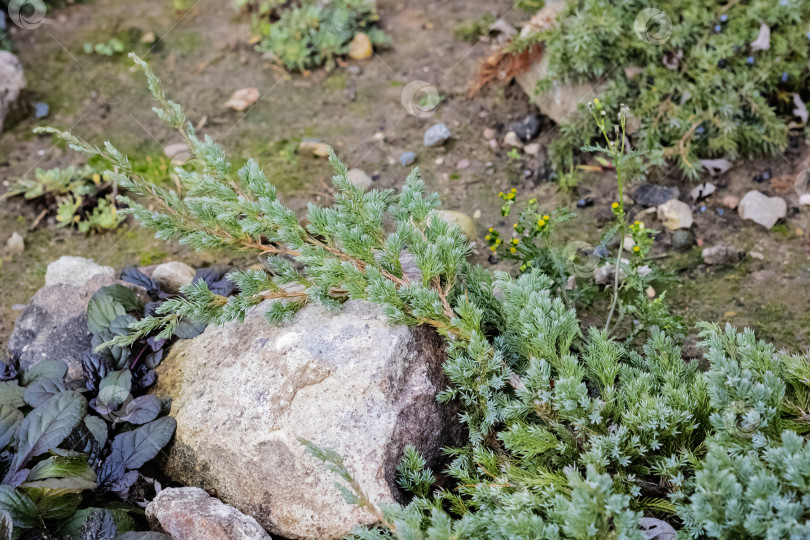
point(491, 229)
point(636, 249)
point(614, 205)
point(513, 250)
point(96, 178)
point(596, 100)
point(500, 194)
point(636, 223)
point(498, 241)
point(540, 222)
point(523, 268)
point(515, 226)
point(510, 196)
point(492, 248)
point(515, 241)
point(487, 237)
point(545, 217)
point(514, 190)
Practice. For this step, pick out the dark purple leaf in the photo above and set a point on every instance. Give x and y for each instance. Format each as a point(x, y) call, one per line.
point(136, 277)
point(9, 369)
point(214, 277)
point(141, 410)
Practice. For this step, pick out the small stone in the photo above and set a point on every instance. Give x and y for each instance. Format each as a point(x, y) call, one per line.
point(177, 152)
point(721, 254)
point(527, 128)
point(532, 149)
point(465, 222)
point(41, 110)
point(628, 242)
point(761, 209)
point(172, 275)
point(354, 70)
point(436, 135)
point(702, 191)
point(360, 47)
point(189, 513)
point(15, 244)
point(511, 139)
point(313, 148)
point(359, 178)
point(682, 239)
point(148, 38)
point(242, 99)
point(650, 292)
point(75, 271)
point(407, 158)
point(804, 199)
point(675, 214)
point(654, 195)
point(585, 202)
point(439, 160)
point(493, 144)
point(730, 201)
point(757, 255)
point(489, 133)
point(463, 164)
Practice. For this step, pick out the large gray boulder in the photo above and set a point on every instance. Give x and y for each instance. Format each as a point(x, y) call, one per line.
point(54, 325)
point(243, 393)
point(12, 83)
point(192, 514)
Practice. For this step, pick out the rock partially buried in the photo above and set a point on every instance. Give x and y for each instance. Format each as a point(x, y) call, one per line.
point(654, 195)
point(75, 271)
point(436, 135)
point(360, 47)
point(407, 158)
point(191, 514)
point(465, 222)
point(359, 178)
point(314, 148)
point(675, 214)
point(12, 83)
point(350, 382)
point(721, 254)
point(761, 209)
point(172, 275)
point(242, 99)
point(53, 325)
point(15, 244)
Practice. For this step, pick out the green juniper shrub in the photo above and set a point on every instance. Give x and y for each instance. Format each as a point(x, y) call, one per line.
point(702, 77)
point(306, 34)
point(571, 434)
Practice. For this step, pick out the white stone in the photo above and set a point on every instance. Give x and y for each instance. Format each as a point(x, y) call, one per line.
point(359, 178)
point(75, 270)
point(512, 139)
point(15, 244)
point(172, 275)
point(761, 209)
point(350, 382)
point(675, 214)
point(465, 222)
